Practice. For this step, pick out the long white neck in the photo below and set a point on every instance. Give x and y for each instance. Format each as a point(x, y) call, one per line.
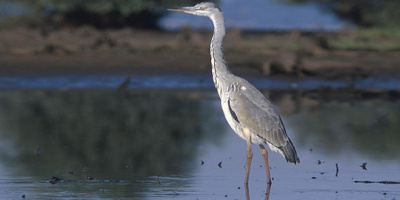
point(219, 67)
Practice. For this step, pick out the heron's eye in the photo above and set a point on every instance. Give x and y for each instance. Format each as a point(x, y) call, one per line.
point(203, 8)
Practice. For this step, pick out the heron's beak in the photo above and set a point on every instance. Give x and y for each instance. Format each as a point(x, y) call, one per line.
point(184, 9)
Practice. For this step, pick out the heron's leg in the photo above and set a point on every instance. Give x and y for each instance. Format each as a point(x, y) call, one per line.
point(267, 192)
point(249, 156)
point(264, 153)
point(247, 193)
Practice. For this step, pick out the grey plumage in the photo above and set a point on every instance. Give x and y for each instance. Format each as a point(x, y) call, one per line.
point(247, 111)
point(255, 112)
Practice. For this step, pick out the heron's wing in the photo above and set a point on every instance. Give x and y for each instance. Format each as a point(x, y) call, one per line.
point(254, 111)
point(251, 109)
point(259, 116)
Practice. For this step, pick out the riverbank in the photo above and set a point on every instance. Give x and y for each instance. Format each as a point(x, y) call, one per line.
point(128, 51)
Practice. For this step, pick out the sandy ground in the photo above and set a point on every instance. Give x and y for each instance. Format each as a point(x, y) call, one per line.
point(128, 51)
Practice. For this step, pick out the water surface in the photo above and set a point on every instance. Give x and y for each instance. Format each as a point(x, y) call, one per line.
point(185, 81)
point(161, 144)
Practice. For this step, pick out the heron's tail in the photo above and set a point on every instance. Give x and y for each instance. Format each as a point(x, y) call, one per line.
point(289, 152)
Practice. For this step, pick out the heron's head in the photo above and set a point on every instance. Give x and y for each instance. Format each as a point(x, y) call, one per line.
point(201, 9)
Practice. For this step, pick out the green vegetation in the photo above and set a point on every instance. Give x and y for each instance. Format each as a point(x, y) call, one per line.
point(378, 23)
point(381, 39)
point(98, 13)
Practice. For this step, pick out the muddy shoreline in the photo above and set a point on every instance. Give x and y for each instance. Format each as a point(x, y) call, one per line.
point(128, 51)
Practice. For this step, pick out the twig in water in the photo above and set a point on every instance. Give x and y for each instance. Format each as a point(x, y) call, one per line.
point(381, 182)
point(364, 166)
point(123, 86)
point(337, 169)
point(158, 179)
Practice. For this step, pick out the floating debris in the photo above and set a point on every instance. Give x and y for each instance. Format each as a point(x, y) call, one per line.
point(364, 166)
point(202, 162)
point(175, 194)
point(313, 177)
point(124, 85)
point(337, 169)
point(158, 179)
point(380, 182)
point(319, 162)
point(220, 164)
point(55, 180)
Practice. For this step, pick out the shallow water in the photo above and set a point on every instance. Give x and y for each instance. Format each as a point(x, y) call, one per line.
point(169, 145)
point(197, 81)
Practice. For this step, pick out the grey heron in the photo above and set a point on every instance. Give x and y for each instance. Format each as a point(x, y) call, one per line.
point(248, 112)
